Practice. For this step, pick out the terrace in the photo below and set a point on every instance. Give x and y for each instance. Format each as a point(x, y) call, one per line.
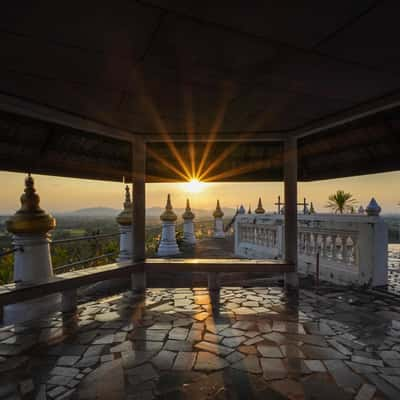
point(157, 93)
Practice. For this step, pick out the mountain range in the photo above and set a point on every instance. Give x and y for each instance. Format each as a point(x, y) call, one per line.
point(150, 212)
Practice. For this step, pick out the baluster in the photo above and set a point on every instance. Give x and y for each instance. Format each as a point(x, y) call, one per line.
point(343, 249)
point(299, 242)
point(307, 243)
point(320, 242)
point(312, 244)
point(349, 249)
point(334, 247)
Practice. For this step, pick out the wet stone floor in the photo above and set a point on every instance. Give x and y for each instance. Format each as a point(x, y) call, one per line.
point(242, 343)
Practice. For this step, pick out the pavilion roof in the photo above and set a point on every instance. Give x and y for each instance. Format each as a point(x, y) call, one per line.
point(325, 72)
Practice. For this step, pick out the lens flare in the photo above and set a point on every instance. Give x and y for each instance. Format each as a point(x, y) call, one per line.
point(194, 186)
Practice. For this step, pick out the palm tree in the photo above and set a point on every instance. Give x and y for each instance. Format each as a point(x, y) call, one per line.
point(341, 202)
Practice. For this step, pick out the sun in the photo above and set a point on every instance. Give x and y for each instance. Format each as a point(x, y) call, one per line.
point(194, 186)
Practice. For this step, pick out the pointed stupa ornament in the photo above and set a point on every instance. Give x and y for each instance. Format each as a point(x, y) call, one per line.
point(312, 209)
point(242, 210)
point(168, 214)
point(373, 208)
point(361, 210)
point(125, 216)
point(30, 218)
point(249, 210)
point(188, 214)
point(259, 209)
point(218, 212)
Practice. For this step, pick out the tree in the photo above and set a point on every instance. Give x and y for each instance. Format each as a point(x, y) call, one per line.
point(341, 202)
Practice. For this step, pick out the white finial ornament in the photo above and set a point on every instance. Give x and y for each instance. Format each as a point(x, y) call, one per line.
point(188, 226)
point(218, 222)
point(168, 245)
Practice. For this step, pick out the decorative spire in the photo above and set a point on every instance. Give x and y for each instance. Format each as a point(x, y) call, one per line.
point(30, 218)
point(125, 216)
point(218, 212)
point(373, 208)
point(242, 210)
point(249, 211)
point(312, 210)
point(168, 214)
point(188, 211)
point(259, 209)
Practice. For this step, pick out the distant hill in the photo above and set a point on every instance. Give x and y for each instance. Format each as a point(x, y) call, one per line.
point(93, 212)
point(150, 212)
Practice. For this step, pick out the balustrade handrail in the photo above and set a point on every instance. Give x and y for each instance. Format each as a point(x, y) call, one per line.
point(11, 251)
point(81, 238)
point(76, 263)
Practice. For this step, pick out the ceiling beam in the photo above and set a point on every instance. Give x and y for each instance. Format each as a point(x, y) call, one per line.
point(26, 108)
point(369, 109)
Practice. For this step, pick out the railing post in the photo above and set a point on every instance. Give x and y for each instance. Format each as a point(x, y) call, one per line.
point(139, 210)
point(69, 301)
point(290, 185)
point(213, 281)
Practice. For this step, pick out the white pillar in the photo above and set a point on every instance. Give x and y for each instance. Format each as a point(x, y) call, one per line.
point(188, 226)
point(125, 243)
point(32, 264)
point(32, 260)
point(30, 226)
point(124, 220)
point(139, 210)
point(218, 222)
point(290, 183)
point(168, 245)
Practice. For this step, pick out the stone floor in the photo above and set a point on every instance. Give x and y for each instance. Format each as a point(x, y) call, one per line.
point(243, 343)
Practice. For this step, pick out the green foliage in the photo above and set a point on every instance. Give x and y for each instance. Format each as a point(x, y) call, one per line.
point(341, 202)
point(6, 269)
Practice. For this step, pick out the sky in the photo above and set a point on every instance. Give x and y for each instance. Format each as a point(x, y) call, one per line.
point(67, 194)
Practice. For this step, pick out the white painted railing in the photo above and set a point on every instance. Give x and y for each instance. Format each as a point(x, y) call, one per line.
point(352, 248)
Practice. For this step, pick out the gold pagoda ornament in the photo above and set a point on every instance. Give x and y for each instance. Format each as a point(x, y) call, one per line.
point(218, 212)
point(188, 214)
point(30, 218)
point(168, 215)
point(259, 209)
point(125, 216)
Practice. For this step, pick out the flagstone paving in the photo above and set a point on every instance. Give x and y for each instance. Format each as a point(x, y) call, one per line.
point(184, 343)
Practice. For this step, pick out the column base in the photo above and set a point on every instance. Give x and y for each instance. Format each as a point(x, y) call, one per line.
point(168, 249)
point(138, 282)
point(32, 309)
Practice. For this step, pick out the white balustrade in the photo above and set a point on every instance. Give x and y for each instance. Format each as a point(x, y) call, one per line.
point(352, 248)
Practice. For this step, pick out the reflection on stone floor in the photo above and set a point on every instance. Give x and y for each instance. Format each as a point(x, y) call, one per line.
point(244, 343)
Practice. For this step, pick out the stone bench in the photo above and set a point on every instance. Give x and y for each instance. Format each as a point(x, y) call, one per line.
point(68, 283)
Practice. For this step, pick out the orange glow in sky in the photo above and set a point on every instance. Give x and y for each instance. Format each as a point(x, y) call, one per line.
point(67, 194)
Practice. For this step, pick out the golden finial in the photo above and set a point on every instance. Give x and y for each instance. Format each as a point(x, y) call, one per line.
point(125, 216)
point(259, 209)
point(30, 218)
point(218, 212)
point(168, 214)
point(249, 212)
point(188, 214)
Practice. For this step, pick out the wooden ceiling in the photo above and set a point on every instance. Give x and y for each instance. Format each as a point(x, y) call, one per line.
point(222, 69)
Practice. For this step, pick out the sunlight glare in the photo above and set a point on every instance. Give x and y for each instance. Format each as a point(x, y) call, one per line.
point(194, 186)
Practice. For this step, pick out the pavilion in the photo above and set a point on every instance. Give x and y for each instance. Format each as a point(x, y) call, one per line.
point(155, 91)
point(284, 93)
